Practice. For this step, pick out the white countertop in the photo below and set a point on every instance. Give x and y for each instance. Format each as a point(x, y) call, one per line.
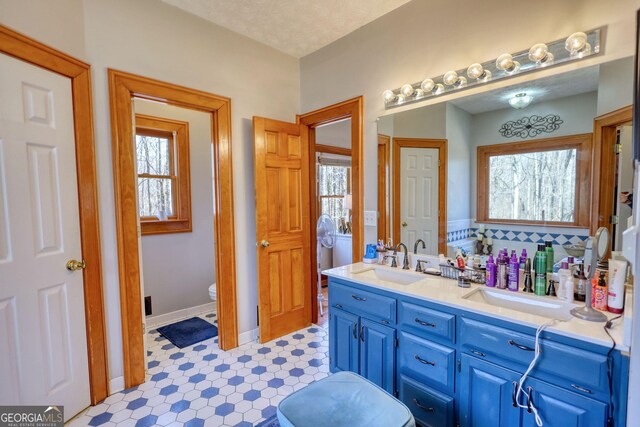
point(447, 292)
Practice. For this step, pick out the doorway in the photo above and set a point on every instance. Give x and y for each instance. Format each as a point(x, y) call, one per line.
point(123, 87)
point(78, 330)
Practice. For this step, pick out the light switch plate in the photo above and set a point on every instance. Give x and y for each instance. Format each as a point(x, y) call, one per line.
point(371, 218)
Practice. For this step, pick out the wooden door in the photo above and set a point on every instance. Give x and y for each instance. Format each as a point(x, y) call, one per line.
point(384, 159)
point(281, 162)
point(43, 338)
point(419, 196)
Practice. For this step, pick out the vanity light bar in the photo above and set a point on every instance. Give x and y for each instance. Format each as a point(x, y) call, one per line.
point(541, 55)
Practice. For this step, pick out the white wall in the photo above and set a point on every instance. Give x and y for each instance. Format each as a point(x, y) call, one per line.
point(427, 122)
point(178, 268)
point(152, 39)
point(459, 151)
point(423, 39)
point(615, 84)
point(335, 134)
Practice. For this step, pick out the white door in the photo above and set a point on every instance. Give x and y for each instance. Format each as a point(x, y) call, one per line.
point(43, 345)
point(419, 197)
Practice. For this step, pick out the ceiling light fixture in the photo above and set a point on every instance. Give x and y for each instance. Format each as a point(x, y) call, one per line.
point(520, 101)
point(575, 47)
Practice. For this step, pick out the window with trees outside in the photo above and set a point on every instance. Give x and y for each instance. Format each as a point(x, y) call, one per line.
point(545, 181)
point(334, 183)
point(162, 162)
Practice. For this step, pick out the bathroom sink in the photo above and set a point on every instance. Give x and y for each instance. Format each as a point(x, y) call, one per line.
point(399, 277)
point(540, 306)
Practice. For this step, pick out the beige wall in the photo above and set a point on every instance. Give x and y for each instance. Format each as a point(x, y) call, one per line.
point(178, 268)
point(423, 39)
point(150, 38)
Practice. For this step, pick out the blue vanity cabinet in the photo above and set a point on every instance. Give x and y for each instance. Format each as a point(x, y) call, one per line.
point(359, 339)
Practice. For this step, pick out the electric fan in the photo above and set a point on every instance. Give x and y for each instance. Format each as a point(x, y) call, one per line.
point(326, 236)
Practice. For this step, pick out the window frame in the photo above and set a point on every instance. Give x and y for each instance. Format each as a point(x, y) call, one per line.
point(180, 174)
point(582, 143)
point(332, 196)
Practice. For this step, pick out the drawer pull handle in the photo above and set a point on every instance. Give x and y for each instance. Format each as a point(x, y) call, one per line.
point(362, 333)
point(424, 362)
point(355, 331)
point(582, 389)
point(520, 346)
point(513, 394)
point(478, 353)
point(357, 298)
point(423, 323)
point(338, 306)
point(421, 406)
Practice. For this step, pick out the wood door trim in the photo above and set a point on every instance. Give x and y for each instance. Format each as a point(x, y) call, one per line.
point(384, 168)
point(29, 50)
point(604, 134)
point(350, 109)
point(441, 146)
point(122, 88)
point(328, 149)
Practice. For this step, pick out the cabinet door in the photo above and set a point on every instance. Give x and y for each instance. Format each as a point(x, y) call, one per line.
point(343, 341)
point(486, 395)
point(561, 408)
point(377, 353)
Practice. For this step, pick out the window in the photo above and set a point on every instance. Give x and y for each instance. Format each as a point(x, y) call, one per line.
point(334, 182)
point(544, 181)
point(162, 161)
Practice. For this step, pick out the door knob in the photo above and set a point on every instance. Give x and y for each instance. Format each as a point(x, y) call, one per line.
point(74, 265)
point(264, 244)
point(404, 223)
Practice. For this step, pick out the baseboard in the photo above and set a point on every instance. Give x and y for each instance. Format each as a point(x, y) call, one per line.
point(248, 336)
point(116, 385)
point(164, 319)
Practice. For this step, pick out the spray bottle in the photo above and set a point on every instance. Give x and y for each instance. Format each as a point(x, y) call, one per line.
point(514, 273)
point(540, 264)
point(491, 272)
point(503, 272)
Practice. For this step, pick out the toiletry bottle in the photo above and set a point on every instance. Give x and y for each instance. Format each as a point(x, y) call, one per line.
point(523, 258)
point(491, 272)
point(617, 275)
point(550, 256)
point(563, 277)
point(540, 264)
point(569, 287)
point(514, 273)
point(581, 287)
point(601, 293)
point(528, 283)
point(460, 259)
point(503, 272)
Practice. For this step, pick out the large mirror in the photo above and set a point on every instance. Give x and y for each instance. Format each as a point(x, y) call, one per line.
point(545, 160)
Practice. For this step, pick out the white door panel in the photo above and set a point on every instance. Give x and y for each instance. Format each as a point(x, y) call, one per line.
point(419, 197)
point(43, 347)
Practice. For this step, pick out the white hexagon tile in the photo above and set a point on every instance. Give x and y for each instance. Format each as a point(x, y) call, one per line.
point(202, 385)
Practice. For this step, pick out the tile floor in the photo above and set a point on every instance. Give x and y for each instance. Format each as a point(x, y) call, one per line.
point(202, 385)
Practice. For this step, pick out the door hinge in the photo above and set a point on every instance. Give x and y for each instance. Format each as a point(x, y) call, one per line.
point(613, 219)
point(459, 365)
point(438, 162)
point(617, 148)
point(144, 328)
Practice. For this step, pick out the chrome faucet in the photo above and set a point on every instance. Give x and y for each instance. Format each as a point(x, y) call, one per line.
point(405, 260)
point(415, 247)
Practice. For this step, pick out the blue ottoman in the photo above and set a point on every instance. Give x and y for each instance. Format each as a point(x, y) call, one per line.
point(343, 399)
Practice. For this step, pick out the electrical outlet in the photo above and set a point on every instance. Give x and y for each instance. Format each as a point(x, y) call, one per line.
point(371, 218)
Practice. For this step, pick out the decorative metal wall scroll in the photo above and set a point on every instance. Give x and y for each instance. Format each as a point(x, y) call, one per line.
point(528, 127)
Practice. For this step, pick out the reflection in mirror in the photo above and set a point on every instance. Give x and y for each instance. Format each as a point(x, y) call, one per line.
point(517, 174)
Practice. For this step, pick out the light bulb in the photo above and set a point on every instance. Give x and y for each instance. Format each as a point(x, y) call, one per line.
point(506, 63)
point(406, 90)
point(520, 101)
point(438, 89)
point(539, 53)
point(450, 78)
point(577, 44)
point(388, 95)
point(475, 71)
point(427, 85)
point(419, 93)
point(400, 99)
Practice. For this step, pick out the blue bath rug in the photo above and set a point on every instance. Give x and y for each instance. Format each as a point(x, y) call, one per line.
point(188, 332)
point(272, 421)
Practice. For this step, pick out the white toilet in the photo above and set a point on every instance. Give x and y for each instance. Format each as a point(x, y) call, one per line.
point(212, 292)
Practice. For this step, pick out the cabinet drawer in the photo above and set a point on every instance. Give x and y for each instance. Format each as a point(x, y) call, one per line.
point(373, 306)
point(580, 370)
point(426, 322)
point(429, 408)
point(426, 361)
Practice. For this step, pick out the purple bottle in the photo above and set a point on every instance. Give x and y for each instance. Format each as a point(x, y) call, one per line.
point(523, 259)
point(514, 273)
point(491, 272)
